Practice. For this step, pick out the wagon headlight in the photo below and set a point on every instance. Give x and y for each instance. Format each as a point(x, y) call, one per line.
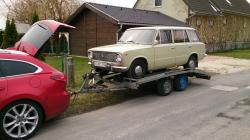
point(90, 55)
point(118, 58)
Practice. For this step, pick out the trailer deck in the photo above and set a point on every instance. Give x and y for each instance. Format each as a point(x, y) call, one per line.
point(94, 83)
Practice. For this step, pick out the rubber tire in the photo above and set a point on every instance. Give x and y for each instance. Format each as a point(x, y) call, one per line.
point(177, 85)
point(192, 58)
point(160, 87)
point(2, 114)
point(131, 71)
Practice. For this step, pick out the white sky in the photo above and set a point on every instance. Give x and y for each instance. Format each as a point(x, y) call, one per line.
point(123, 3)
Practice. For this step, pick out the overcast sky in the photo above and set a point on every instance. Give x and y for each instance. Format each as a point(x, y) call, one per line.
point(123, 3)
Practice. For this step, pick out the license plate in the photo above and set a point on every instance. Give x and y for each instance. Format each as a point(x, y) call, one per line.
point(100, 64)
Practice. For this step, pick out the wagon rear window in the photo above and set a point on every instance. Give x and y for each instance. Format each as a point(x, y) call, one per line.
point(192, 35)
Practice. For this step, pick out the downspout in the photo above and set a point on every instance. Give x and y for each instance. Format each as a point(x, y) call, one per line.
point(118, 31)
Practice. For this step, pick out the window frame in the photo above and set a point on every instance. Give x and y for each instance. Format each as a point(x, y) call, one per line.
point(157, 5)
point(39, 69)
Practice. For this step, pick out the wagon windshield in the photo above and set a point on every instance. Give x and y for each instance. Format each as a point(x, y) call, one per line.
point(138, 36)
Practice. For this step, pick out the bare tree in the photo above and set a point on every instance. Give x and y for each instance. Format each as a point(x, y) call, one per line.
point(46, 9)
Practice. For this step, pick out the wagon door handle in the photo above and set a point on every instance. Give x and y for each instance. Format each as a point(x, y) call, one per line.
point(172, 48)
point(2, 88)
point(189, 46)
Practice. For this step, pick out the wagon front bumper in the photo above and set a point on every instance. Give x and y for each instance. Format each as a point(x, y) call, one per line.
point(108, 66)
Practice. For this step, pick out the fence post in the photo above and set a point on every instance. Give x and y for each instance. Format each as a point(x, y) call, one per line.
point(69, 70)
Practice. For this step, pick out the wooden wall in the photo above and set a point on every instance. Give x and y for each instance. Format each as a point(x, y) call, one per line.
point(224, 30)
point(91, 31)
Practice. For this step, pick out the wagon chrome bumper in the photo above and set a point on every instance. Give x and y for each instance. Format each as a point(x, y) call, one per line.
point(107, 66)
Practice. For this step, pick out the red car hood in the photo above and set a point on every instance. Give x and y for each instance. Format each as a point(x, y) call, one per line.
point(38, 35)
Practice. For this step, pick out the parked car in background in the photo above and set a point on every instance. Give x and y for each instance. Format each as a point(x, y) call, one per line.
point(145, 49)
point(30, 90)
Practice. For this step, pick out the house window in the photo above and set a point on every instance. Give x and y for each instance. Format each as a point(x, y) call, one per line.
point(198, 22)
point(158, 3)
point(245, 23)
point(211, 23)
point(225, 21)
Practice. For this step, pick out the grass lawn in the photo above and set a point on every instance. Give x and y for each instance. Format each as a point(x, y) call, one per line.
point(241, 53)
point(89, 102)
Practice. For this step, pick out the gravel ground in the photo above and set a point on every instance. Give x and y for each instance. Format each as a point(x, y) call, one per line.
point(223, 65)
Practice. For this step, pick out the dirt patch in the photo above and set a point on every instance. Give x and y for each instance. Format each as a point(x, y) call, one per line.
point(223, 65)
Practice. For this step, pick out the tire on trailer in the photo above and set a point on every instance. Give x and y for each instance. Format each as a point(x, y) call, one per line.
point(180, 82)
point(165, 86)
point(138, 69)
point(12, 116)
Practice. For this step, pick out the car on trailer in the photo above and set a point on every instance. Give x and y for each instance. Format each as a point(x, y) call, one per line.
point(146, 49)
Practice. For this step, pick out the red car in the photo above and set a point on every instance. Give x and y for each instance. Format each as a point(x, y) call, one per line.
point(30, 90)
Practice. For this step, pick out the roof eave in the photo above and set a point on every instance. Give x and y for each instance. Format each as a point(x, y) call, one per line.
point(94, 9)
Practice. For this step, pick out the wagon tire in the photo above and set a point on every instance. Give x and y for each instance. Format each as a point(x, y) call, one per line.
point(192, 63)
point(138, 69)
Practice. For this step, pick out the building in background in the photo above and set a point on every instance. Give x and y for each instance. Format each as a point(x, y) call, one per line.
point(222, 24)
point(98, 25)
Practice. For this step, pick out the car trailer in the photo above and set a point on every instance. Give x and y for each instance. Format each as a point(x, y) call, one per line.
point(165, 81)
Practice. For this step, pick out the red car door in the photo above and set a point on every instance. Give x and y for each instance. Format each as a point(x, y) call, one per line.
point(3, 88)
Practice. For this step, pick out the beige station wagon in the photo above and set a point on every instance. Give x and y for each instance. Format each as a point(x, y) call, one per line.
point(146, 49)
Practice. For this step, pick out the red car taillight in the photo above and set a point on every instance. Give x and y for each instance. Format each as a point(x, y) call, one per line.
point(58, 77)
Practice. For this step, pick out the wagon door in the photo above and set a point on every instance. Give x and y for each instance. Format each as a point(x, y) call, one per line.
point(165, 50)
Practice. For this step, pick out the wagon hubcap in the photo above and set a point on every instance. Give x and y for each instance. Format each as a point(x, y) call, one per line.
point(192, 64)
point(138, 71)
point(20, 121)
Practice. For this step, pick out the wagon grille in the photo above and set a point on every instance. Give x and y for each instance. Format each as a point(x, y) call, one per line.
point(105, 56)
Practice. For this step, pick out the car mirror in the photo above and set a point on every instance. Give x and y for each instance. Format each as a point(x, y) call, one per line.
point(156, 42)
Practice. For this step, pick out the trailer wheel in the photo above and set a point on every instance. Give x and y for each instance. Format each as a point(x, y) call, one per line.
point(180, 82)
point(165, 87)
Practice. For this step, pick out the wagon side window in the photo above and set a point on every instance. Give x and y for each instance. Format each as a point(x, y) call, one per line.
point(180, 36)
point(192, 35)
point(166, 36)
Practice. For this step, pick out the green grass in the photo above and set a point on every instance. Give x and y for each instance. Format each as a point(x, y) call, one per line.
point(81, 67)
point(241, 53)
point(88, 102)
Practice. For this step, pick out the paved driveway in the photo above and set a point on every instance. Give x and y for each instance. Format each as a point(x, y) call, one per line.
point(224, 65)
point(207, 110)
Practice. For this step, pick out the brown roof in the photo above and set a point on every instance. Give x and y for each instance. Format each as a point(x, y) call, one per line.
point(128, 16)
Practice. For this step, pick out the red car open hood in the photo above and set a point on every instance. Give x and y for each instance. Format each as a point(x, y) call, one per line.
point(38, 35)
